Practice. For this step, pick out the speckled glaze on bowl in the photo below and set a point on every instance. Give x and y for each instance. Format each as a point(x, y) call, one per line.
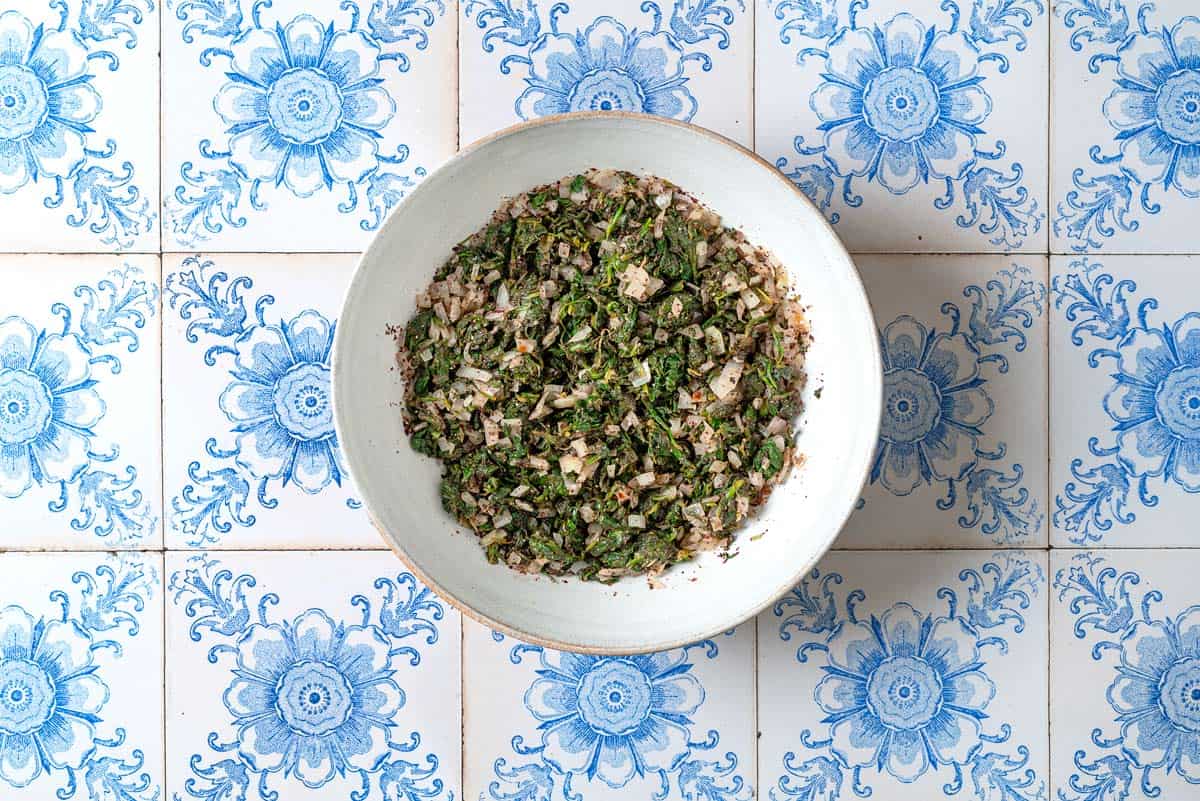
point(837, 435)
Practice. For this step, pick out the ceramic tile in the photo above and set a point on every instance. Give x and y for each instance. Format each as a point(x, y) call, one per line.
point(79, 402)
point(316, 676)
point(78, 125)
point(81, 693)
point(546, 724)
point(245, 336)
point(298, 125)
point(831, 93)
point(907, 676)
point(1125, 394)
point(975, 475)
point(1125, 170)
point(1124, 675)
point(691, 60)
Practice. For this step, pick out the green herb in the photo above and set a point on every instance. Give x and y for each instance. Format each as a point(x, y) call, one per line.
point(609, 377)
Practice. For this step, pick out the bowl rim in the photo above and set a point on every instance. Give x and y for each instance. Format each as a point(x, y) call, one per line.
point(341, 425)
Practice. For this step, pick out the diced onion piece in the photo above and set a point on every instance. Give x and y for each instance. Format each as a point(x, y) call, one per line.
point(580, 335)
point(715, 340)
point(643, 479)
point(640, 376)
point(493, 537)
point(724, 384)
point(636, 521)
point(502, 519)
point(570, 464)
point(474, 373)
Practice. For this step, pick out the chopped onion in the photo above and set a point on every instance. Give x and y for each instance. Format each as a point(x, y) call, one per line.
point(715, 340)
point(474, 373)
point(724, 384)
point(640, 376)
point(636, 521)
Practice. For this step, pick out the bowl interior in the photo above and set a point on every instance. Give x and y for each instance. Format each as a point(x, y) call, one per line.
point(837, 430)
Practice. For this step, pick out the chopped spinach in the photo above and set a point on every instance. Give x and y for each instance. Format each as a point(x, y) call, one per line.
point(608, 375)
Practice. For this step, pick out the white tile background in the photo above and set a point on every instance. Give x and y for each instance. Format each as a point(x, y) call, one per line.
point(466, 696)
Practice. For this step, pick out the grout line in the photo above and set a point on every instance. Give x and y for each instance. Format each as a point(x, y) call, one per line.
point(462, 705)
point(165, 695)
point(1049, 672)
point(754, 81)
point(755, 731)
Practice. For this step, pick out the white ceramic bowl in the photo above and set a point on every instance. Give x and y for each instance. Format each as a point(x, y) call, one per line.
point(837, 430)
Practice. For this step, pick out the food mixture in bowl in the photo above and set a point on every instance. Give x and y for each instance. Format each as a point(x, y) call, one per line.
point(609, 376)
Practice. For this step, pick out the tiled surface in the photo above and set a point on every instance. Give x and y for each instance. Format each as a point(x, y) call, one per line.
point(83, 651)
point(958, 88)
point(1126, 176)
point(1123, 669)
point(1007, 236)
point(80, 337)
point(981, 479)
point(1124, 458)
point(236, 474)
point(906, 673)
point(79, 125)
point(373, 87)
point(526, 720)
point(325, 674)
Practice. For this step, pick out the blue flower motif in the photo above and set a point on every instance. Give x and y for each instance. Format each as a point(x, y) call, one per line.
point(46, 102)
point(614, 718)
point(607, 67)
point(901, 104)
point(47, 407)
point(1156, 106)
point(304, 105)
point(313, 698)
point(933, 406)
point(904, 692)
point(281, 402)
point(1156, 402)
point(1157, 693)
point(49, 696)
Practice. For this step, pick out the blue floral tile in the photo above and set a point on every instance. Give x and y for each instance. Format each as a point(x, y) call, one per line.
point(250, 456)
point(544, 724)
point(689, 60)
point(906, 677)
point(1125, 401)
point(298, 125)
point(1126, 88)
point(79, 402)
point(915, 126)
point(81, 695)
point(319, 676)
point(78, 125)
point(961, 459)
point(1125, 675)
